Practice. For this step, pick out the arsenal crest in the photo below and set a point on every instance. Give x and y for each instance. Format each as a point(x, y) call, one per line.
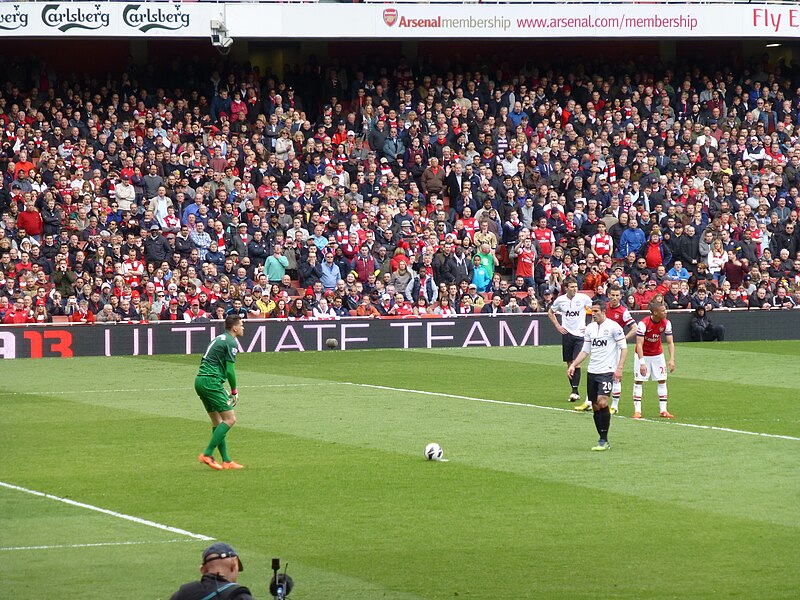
point(390, 16)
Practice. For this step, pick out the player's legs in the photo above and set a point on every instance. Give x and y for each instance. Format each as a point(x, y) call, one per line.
point(599, 388)
point(217, 404)
point(227, 421)
point(662, 400)
point(657, 366)
point(638, 379)
point(616, 392)
point(568, 353)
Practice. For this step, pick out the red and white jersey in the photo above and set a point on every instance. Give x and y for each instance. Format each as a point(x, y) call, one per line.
point(471, 226)
point(620, 315)
point(526, 259)
point(652, 332)
point(546, 239)
point(133, 271)
point(602, 244)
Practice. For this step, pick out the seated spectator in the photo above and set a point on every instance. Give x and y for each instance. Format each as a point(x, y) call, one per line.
point(323, 311)
point(495, 307)
point(678, 271)
point(367, 309)
point(703, 330)
point(512, 306)
point(82, 314)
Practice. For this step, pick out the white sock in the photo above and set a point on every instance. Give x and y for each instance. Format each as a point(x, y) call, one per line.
point(662, 397)
point(616, 390)
point(637, 396)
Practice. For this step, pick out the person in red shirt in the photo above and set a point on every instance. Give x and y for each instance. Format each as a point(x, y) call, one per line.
point(133, 269)
point(649, 362)
point(601, 242)
point(195, 312)
point(655, 252)
point(30, 220)
point(82, 314)
point(17, 314)
point(545, 237)
point(403, 308)
point(526, 260)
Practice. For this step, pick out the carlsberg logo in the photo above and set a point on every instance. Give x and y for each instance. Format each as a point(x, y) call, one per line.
point(64, 17)
point(13, 20)
point(145, 19)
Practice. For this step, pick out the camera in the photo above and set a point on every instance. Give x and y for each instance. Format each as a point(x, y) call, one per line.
point(280, 584)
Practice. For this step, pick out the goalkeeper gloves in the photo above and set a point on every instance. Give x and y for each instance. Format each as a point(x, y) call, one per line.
point(234, 397)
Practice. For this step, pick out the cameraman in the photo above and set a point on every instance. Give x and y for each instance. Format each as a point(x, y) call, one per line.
point(219, 570)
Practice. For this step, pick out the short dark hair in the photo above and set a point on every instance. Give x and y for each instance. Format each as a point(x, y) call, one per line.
point(600, 303)
point(232, 321)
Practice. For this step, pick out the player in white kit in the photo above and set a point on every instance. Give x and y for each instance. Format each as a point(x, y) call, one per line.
point(604, 342)
point(572, 307)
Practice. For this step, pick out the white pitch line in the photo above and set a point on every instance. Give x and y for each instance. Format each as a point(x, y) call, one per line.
point(171, 389)
point(106, 511)
point(95, 545)
point(571, 411)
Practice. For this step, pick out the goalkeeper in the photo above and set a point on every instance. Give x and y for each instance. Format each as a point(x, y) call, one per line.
point(217, 366)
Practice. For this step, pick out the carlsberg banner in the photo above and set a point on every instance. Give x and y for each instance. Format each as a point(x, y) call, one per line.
point(401, 21)
point(107, 19)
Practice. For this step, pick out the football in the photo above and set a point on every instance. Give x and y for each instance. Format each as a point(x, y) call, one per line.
point(332, 343)
point(433, 451)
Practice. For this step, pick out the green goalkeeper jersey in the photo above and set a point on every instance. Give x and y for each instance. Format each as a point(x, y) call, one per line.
point(221, 351)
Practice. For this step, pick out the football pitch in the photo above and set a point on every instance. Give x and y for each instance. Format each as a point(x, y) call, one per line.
point(102, 496)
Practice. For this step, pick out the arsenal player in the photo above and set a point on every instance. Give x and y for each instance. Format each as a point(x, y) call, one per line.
point(619, 313)
point(650, 363)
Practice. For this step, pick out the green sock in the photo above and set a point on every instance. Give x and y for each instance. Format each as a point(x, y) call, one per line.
point(217, 438)
point(223, 448)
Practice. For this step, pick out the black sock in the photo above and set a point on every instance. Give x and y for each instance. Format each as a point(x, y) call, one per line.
point(575, 380)
point(598, 423)
point(605, 422)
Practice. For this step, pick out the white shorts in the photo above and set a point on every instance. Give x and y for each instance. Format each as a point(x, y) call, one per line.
point(656, 368)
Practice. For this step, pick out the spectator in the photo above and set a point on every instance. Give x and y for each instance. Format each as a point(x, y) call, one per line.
point(275, 266)
point(632, 239)
point(703, 330)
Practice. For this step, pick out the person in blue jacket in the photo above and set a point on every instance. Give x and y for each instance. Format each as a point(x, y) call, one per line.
point(631, 239)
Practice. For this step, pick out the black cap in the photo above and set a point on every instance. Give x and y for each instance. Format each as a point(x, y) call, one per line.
point(219, 550)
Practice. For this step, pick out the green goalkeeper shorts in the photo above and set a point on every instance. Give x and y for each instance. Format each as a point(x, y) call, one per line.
point(213, 395)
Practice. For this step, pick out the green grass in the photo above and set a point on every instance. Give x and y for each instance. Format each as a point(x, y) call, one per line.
point(335, 481)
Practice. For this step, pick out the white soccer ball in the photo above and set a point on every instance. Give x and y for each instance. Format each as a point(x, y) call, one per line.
point(433, 451)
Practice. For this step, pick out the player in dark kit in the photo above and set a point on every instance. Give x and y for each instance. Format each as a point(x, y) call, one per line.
point(216, 367)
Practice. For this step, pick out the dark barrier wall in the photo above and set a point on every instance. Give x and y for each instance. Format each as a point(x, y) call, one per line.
point(36, 341)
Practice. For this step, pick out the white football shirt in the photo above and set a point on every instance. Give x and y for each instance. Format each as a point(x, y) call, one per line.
point(573, 312)
point(603, 342)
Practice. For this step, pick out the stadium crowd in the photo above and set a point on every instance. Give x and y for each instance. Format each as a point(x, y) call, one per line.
point(192, 192)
